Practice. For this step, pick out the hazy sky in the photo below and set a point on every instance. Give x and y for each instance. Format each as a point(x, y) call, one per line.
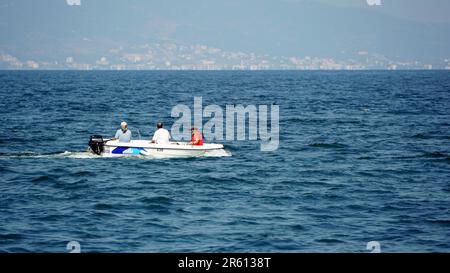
point(415, 10)
point(53, 29)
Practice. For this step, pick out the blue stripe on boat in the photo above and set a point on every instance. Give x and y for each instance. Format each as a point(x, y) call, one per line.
point(127, 150)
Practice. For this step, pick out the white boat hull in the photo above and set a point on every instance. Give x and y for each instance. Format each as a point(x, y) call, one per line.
point(146, 148)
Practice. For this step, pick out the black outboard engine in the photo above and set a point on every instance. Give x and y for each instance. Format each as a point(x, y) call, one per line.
point(96, 144)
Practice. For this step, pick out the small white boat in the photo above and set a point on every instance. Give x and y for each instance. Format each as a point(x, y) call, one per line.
point(100, 146)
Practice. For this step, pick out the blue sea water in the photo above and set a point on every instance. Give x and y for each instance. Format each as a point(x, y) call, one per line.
point(363, 156)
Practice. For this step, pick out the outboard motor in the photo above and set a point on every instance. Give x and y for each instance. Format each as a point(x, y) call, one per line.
point(96, 144)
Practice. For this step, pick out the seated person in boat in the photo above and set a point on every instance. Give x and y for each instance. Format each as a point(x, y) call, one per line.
point(161, 136)
point(197, 138)
point(123, 134)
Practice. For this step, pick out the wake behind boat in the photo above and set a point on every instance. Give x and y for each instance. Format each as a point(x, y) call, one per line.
point(107, 147)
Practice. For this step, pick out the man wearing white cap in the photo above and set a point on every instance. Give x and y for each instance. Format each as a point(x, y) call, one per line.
point(123, 134)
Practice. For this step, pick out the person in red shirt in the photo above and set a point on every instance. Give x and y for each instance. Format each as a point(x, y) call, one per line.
point(197, 138)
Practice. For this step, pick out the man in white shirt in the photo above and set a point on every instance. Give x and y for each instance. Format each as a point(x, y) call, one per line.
point(161, 136)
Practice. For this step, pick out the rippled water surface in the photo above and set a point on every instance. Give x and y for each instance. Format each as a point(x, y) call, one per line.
point(364, 156)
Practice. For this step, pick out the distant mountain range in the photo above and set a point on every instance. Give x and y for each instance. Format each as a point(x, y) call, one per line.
point(52, 31)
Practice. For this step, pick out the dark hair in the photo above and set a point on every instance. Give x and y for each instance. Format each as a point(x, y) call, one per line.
point(159, 125)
